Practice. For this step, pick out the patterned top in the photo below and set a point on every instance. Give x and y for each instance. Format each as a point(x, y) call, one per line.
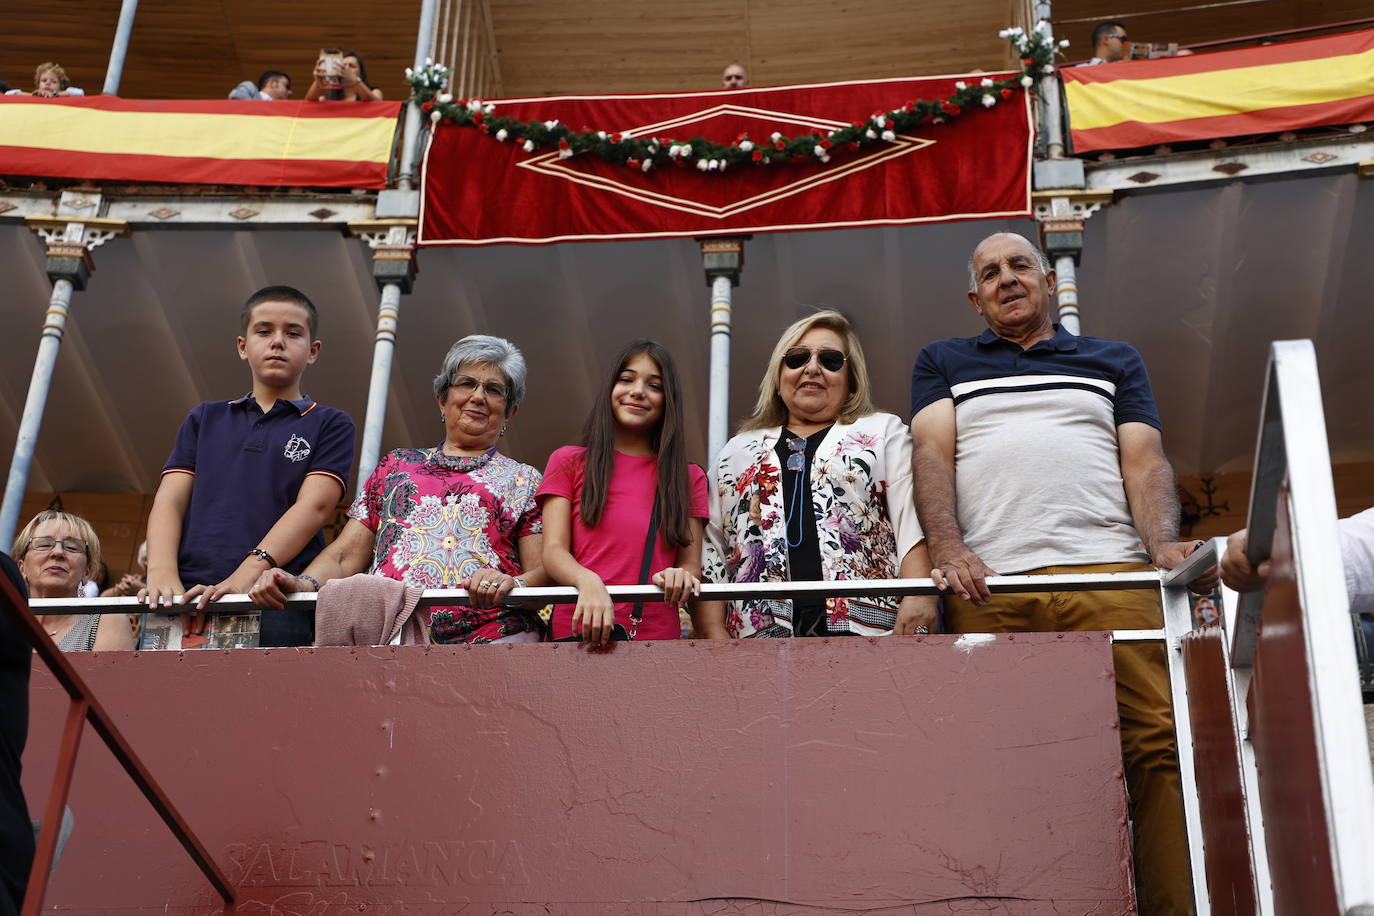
point(865, 522)
point(81, 637)
point(434, 527)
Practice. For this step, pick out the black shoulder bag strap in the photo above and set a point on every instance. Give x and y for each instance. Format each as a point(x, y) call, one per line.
point(637, 612)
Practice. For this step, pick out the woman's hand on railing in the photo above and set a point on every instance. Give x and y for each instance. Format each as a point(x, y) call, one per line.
point(487, 588)
point(273, 587)
point(594, 614)
point(679, 585)
point(916, 615)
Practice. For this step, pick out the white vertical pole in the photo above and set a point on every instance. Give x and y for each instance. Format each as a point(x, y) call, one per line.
point(1066, 286)
point(115, 71)
point(424, 39)
point(1051, 117)
point(54, 324)
point(718, 423)
point(387, 314)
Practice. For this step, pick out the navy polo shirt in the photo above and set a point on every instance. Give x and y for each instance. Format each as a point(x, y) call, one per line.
point(249, 468)
point(967, 367)
point(1037, 453)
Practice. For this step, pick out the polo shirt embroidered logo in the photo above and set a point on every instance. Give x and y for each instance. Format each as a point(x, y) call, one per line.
point(297, 448)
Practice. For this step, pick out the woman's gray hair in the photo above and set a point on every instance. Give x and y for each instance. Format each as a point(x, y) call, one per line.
point(484, 350)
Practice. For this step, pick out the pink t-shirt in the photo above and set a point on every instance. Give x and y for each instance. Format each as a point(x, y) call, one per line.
point(614, 549)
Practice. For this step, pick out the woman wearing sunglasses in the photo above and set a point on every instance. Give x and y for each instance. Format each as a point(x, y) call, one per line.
point(816, 486)
point(57, 552)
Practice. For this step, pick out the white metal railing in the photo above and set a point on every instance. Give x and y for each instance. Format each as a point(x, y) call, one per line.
point(855, 588)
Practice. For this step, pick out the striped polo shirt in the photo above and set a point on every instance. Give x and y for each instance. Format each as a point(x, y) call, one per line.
point(1037, 463)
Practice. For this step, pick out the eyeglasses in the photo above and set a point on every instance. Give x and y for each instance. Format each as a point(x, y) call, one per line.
point(830, 360)
point(467, 385)
point(1121, 37)
point(68, 545)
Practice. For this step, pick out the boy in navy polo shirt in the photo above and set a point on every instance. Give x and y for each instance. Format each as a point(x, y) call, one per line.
point(251, 482)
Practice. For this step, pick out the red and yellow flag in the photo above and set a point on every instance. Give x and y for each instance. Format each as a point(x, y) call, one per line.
point(201, 142)
point(1224, 94)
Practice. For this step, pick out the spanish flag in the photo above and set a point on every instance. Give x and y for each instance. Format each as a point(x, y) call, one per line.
point(304, 144)
point(1224, 94)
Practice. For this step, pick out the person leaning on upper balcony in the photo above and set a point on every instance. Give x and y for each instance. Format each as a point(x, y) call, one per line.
point(56, 552)
point(458, 515)
point(354, 88)
point(734, 77)
point(1039, 452)
point(816, 486)
point(272, 86)
point(50, 81)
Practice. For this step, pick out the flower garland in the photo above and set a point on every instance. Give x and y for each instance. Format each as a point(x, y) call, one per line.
point(1036, 49)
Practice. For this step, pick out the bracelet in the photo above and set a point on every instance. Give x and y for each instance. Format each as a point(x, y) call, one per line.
point(263, 555)
point(311, 579)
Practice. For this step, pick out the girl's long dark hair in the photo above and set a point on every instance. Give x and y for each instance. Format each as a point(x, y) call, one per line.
point(669, 442)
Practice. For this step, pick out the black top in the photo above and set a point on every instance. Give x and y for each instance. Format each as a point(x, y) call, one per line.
point(803, 549)
point(16, 830)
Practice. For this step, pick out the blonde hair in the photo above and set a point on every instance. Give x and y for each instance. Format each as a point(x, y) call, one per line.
point(62, 79)
point(770, 410)
point(78, 525)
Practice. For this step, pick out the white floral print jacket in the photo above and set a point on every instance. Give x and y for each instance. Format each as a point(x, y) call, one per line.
point(861, 491)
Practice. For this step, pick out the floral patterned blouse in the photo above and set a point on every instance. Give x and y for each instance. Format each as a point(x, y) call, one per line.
point(434, 526)
point(861, 491)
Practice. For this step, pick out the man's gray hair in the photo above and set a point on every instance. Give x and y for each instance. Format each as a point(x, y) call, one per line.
point(1040, 256)
point(484, 350)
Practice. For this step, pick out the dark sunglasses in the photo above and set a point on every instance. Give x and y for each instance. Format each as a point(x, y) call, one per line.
point(830, 360)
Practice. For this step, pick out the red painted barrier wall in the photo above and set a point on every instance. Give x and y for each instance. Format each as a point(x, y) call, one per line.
point(934, 775)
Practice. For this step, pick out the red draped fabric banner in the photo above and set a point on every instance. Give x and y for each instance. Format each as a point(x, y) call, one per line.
point(481, 191)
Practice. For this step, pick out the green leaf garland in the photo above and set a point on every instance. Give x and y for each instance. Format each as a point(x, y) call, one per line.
point(1036, 49)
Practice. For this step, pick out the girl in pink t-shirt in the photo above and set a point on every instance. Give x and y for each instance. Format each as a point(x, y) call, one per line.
point(598, 498)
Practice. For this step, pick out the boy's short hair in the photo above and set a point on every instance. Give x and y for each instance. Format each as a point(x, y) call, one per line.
point(281, 294)
point(271, 75)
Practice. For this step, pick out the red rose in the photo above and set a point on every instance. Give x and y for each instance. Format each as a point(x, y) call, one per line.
point(427, 107)
point(889, 124)
point(1029, 61)
point(854, 144)
point(1006, 93)
point(758, 155)
point(780, 145)
point(632, 163)
point(562, 144)
point(825, 144)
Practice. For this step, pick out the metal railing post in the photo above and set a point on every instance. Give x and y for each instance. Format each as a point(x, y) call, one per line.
point(424, 41)
point(115, 71)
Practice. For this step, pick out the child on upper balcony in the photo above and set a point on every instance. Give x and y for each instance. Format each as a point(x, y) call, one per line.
point(251, 482)
point(49, 82)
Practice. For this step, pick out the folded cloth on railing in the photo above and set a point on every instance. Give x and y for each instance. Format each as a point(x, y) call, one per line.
point(367, 610)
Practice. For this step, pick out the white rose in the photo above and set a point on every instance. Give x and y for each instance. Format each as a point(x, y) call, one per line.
point(502, 135)
point(889, 136)
point(989, 101)
point(528, 146)
point(746, 145)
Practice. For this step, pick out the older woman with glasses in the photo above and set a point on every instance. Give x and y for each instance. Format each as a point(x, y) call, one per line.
point(816, 486)
point(57, 552)
point(458, 515)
